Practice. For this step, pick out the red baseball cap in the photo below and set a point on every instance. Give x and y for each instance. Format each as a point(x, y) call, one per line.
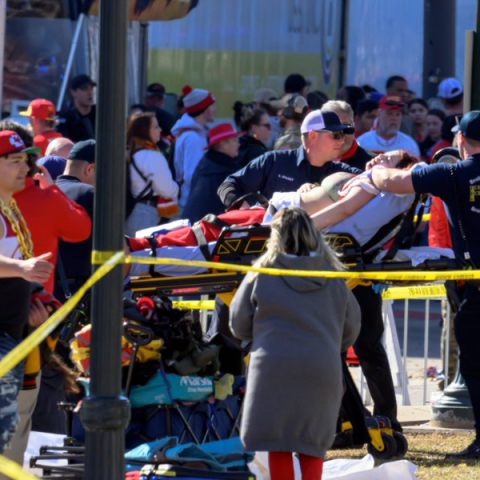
point(10, 142)
point(393, 102)
point(41, 109)
point(220, 132)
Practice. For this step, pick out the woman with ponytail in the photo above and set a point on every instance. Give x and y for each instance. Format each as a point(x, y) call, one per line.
point(151, 183)
point(297, 326)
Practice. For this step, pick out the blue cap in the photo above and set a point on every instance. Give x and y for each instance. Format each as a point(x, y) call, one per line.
point(374, 96)
point(54, 164)
point(83, 151)
point(469, 125)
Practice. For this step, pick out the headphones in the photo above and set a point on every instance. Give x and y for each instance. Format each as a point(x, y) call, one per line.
point(297, 107)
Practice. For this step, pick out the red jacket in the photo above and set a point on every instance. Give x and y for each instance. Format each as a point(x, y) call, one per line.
point(42, 140)
point(185, 237)
point(438, 229)
point(51, 216)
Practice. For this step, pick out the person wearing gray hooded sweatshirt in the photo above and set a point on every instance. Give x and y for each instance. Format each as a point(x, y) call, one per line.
point(298, 327)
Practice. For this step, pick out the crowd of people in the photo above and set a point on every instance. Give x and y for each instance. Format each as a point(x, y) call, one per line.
point(184, 164)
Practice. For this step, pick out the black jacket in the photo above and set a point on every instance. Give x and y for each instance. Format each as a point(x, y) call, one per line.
point(211, 171)
point(277, 171)
point(75, 257)
point(250, 148)
point(77, 127)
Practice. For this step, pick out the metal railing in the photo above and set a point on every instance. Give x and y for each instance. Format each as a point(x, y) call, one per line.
point(399, 354)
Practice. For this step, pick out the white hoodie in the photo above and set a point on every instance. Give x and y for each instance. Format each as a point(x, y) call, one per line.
point(191, 139)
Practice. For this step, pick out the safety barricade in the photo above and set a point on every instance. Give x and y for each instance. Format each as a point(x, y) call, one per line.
point(417, 303)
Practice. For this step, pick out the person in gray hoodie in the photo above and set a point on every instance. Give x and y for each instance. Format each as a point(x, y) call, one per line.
point(298, 326)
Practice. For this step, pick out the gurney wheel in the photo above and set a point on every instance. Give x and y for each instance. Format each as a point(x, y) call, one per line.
point(389, 451)
point(402, 443)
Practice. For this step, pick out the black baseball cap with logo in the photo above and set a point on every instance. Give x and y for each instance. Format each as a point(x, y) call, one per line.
point(469, 125)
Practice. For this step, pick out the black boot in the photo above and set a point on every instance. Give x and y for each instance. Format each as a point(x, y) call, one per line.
point(472, 451)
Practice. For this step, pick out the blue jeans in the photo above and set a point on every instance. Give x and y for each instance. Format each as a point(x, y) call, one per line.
point(142, 216)
point(10, 385)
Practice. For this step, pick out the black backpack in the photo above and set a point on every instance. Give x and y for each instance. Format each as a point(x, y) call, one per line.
point(147, 192)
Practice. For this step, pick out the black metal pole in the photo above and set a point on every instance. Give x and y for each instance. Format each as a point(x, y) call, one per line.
point(438, 44)
point(475, 101)
point(143, 63)
point(105, 413)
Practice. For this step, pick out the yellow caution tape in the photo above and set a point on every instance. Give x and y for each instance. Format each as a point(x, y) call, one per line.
point(195, 304)
point(419, 291)
point(377, 275)
point(14, 470)
point(102, 256)
point(23, 349)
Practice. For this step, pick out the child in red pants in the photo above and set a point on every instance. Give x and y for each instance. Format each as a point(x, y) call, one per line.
point(281, 466)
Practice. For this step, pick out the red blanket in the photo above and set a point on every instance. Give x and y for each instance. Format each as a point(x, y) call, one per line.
point(184, 237)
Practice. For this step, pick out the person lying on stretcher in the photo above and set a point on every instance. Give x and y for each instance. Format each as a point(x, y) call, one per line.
point(334, 206)
point(346, 203)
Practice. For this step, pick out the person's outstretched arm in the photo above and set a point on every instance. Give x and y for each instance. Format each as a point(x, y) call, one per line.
point(392, 180)
point(331, 215)
point(249, 179)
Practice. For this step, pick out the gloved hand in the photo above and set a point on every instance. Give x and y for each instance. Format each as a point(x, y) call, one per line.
point(379, 288)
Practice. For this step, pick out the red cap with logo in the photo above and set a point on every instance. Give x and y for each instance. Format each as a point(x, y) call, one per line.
point(10, 142)
point(41, 109)
point(393, 102)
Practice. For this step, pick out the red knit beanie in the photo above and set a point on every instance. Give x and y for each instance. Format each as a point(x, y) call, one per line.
point(196, 99)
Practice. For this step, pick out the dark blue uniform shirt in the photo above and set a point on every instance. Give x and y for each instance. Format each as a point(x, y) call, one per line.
point(437, 180)
point(277, 171)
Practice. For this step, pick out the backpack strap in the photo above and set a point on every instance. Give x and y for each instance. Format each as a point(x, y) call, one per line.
point(147, 192)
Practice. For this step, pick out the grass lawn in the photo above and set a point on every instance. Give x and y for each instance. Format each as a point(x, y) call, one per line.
point(427, 451)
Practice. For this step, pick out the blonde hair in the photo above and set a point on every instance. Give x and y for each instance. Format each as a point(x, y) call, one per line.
point(293, 232)
point(339, 107)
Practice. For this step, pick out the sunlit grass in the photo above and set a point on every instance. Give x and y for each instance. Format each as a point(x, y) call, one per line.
point(427, 451)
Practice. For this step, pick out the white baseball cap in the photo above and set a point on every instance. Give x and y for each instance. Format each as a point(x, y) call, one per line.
point(449, 88)
point(325, 120)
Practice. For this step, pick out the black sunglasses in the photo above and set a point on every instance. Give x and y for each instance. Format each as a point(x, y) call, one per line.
point(268, 126)
point(333, 135)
